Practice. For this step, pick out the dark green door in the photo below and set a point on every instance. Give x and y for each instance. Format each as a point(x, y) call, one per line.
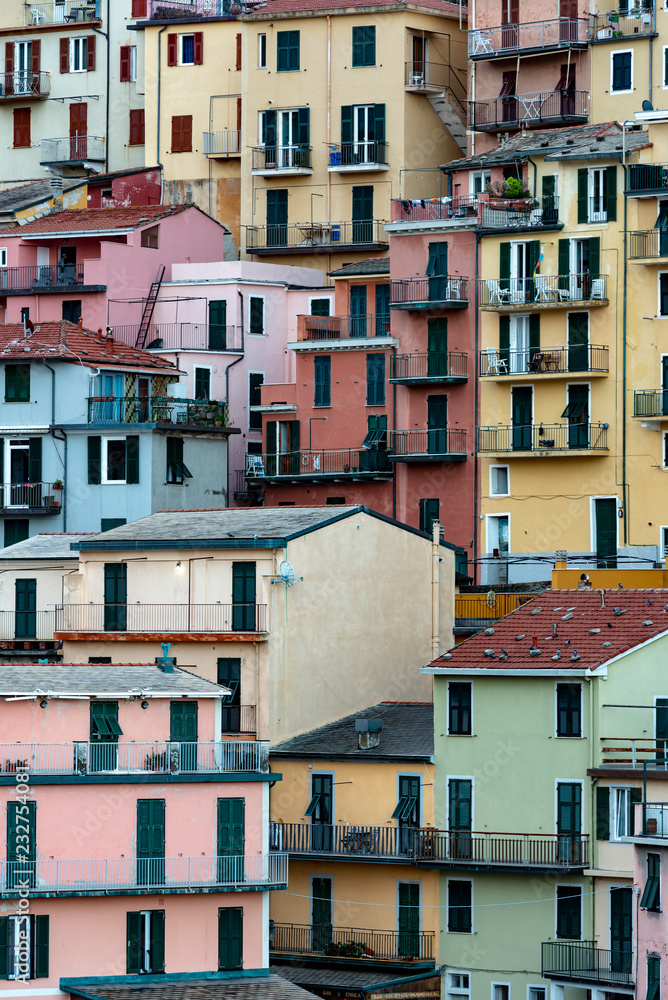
point(578, 416)
point(277, 218)
point(550, 211)
point(437, 269)
point(606, 533)
point(569, 821)
point(150, 841)
point(522, 400)
point(230, 937)
point(358, 310)
point(25, 609)
point(321, 812)
point(409, 920)
point(409, 817)
point(662, 226)
point(460, 813)
point(183, 730)
point(437, 423)
point(437, 347)
point(21, 837)
point(321, 913)
point(104, 733)
point(363, 214)
point(661, 731)
point(664, 385)
point(621, 929)
point(115, 597)
point(217, 325)
point(578, 342)
point(231, 840)
point(382, 310)
point(243, 596)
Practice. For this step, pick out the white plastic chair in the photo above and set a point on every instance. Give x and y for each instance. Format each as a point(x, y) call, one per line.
point(597, 288)
point(481, 44)
point(254, 465)
point(495, 364)
point(543, 293)
point(37, 15)
point(497, 295)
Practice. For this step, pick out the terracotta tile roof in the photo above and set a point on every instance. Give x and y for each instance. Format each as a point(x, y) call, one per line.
point(100, 219)
point(595, 624)
point(309, 6)
point(67, 342)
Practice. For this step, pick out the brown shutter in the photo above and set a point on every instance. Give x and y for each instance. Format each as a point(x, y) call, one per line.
point(138, 8)
point(239, 51)
point(137, 127)
point(172, 50)
point(90, 53)
point(198, 55)
point(9, 68)
point(187, 133)
point(238, 114)
point(22, 126)
point(125, 64)
point(177, 142)
point(64, 55)
point(36, 49)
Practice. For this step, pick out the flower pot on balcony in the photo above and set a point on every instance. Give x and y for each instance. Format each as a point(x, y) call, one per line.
point(652, 824)
point(58, 485)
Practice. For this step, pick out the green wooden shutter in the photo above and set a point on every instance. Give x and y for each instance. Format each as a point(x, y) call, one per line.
point(504, 340)
point(379, 122)
point(35, 459)
point(17, 383)
point(183, 721)
point(133, 953)
point(157, 945)
point(94, 460)
point(230, 938)
point(243, 596)
point(504, 265)
point(25, 609)
point(231, 839)
point(636, 797)
point(602, 813)
point(564, 262)
point(269, 128)
point(346, 123)
point(583, 192)
point(303, 126)
point(132, 459)
point(594, 256)
point(217, 324)
point(409, 919)
point(4, 947)
point(10, 384)
point(322, 379)
point(41, 946)
point(611, 194)
point(363, 203)
point(534, 334)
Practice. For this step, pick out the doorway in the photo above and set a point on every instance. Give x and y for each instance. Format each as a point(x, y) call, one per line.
point(621, 929)
point(605, 519)
point(321, 912)
point(78, 131)
point(522, 410)
point(437, 423)
point(577, 414)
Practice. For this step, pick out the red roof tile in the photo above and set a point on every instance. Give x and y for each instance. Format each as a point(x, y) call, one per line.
point(101, 219)
point(596, 624)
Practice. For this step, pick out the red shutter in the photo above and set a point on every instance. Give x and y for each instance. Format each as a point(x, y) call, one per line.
point(90, 53)
point(64, 55)
point(172, 42)
point(36, 49)
point(199, 48)
point(21, 126)
point(177, 138)
point(138, 8)
point(9, 68)
point(238, 51)
point(137, 127)
point(187, 133)
point(125, 64)
point(238, 114)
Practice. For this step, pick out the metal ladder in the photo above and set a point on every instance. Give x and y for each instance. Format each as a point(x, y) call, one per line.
point(147, 315)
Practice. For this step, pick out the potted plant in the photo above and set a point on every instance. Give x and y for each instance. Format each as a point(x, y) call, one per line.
point(14, 766)
point(58, 484)
point(156, 761)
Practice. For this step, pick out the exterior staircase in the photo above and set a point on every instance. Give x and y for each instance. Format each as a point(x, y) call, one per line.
point(452, 113)
point(147, 315)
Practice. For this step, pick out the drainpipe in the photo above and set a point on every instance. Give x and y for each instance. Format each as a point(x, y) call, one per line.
point(624, 487)
point(64, 439)
point(394, 427)
point(227, 390)
point(329, 113)
point(53, 391)
point(472, 27)
point(162, 169)
point(105, 35)
point(435, 629)
point(476, 414)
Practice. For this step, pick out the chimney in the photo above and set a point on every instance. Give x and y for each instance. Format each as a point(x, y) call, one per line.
point(80, 324)
point(110, 345)
point(561, 561)
point(368, 733)
point(166, 664)
point(98, 336)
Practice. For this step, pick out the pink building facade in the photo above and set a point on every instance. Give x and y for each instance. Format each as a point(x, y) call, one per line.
point(651, 886)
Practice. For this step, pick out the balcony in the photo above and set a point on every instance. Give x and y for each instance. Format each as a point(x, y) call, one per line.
point(481, 211)
point(288, 161)
point(24, 86)
point(627, 753)
point(26, 626)
point(533, 36)
point(238, 719)
point(474, 611)
point(428, 77)
point(350, 843)
point(133, 758)
point(62, 12)
point(647, 180)
point(180, 10)
point(630, 22)
point(68, 151)
point(442, 291)
point(546, 361)
point(35, 499)
point(652, 817)
point(222, 144)
point(583, 962)
point(544, 439)
point(33, 279)
point(437, 445)
point(342, 332)
point(326, 465)
point(507, 851)
point(316, 237)
point(652, 244)
point(149, 619)
point(351, 943)
point(549, 107)
point(117, 876)
point(650, 403)
point(545, 291)
point(433, 368)
point(358, 157)
point(157, 410)
point(184, 337)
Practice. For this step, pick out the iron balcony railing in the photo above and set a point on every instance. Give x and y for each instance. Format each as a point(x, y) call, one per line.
point(544, 360)
point(145, 758)
point(311, 236)
point(521, 850)
point(184, 336)
point(543, 437)
point(652, 817)
point(634, 752)
point(61, 11)
point(237, 719)
point(27, 625)
point(647, 179)
point(157, 410)
point(529, 110)
point(72, 149)
point(628, 22)
point(31, 496)
point(437, 442)
point(161, 617)
point(351, 942)
point(344, 841)
point(36, 277)
point(223, 143)
point(164, 10)
point(355, 154)
point(445, 289)
point(295, 157)
point(543, 289)
point(315, 464)
point(483, 211)
point(583, 961)
point(478, 610)
point(24, 84)
point(650, 243)
point(118, 875)
point(650, 403)
point(436, 365)
point(533, 36)
point(343, 327)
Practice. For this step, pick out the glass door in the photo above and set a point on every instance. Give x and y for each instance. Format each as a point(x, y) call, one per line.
point(19, 472)
point(22, 67)
point(579, 276)
point(287, 125)
point(597, 207)
point(364, 133)
point(519, 344)
point(520, 272)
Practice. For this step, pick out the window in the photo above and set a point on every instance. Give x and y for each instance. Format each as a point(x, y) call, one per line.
point(182, 133)
point(428, 514)
point(478, 181)
point(287, 51)
point(108, 523)
point(21, 127)
point(500, 991)
point(663, 293)
point(569, 710)
point(459, 906)
point(202, 378)
point(407, 809)
point(459, 708)
point(320, 307)
point(536, 993)
point(621, 820)
point(376, 434)
point(335, 501)
point(17, 383)
point(569, 912)
point(72, 310)
point(653, 977)
point(17, 529)
point(255, 383)
point(151, 237)
point(230, 937)
point(237, 63)
point(665, 66)
point(256, 314)
point(457, 985)
point(3, 256)
point(229, 675)
point(24, 947)
point(176, 470)
point(78, 55)
point(262, 51)
point(364, 45)
point(187, 50)
point(651, 897)
point(322, 380)
point(137, 127)
point(133, 63)
point(621, 71)
point(113, 460)
point(139, 8)
point(146, 942)
point(375, 380)
point(499, 481)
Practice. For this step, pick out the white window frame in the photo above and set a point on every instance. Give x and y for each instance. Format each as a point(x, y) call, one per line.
point(485, 177)
point(264, 315)
point(104, 458)
point(592, 517)
point(614, 812)
point(317, 298)
point(133, 63)
point(3, 256)
point(452, 992)
point(602, 214)
point(489, 548)
point(663, 547)
point(206, 368)
point(492, 492)
point(621, 52)
point(18, 970)
point(261, 56)
point(536, 986)
point(186, 34)
point(496, 983)
point(79, 45)
point(458, 878)
point(568, 885)
point(447, 721)
point(659, 314)
point(574, 683)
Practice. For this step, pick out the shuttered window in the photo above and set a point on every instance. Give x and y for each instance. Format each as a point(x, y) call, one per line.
point(17, 383)
point(428, 514)
point(177, 471)
point(21, 127)
point(145, 942)
point(569, 911)
point(459, 906)
point(182, 133)
point(125, 64)
point(139, 8)
point(137, 127)
point(459, 709)
point(622, 71)
point(375, 380)
point(33, 934)
point(322, 380)
point(287, 49)
point(364, 45)
point(651, 897)
point(569, 710)
point(653, 977)
point(230, 938)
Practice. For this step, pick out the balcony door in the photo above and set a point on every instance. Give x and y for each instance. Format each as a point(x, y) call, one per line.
point(288, 131)
point(107, 405)
point(364, 133)
point(577, 414)
point(579, 269)
point(510, 15)
point(621, 929)
point(217, 324)
point(407, 812)
point(522, 416)
point(358, 309)
point(25, 609)
point(569, 821)
point(277, 217)
point(320, 812)
point(519, 343)
point(664, 384)
point(104, 733)
point(605, 516)
point(437, 425)
point(363, 213)
point(231, 840)
point(437, 270)
point(662, 225)
point(460, 818)
point(78, 131)
point(183, 730)
point(150, 841)
point(21, 844)
point(521, 271)
point(661, 731)
point(23, 68)
point(115, 597)
point(578, 342)
point(321, 913)
point(409, 919)
point(419, 61)
point(437, 347)
point(243, 596)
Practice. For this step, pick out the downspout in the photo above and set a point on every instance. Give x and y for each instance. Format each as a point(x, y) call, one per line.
point(476, 414)
point(105, 35)
point(227, 390)
point(212, 98)
point(63, 438)
point(593, 861)
point(162, 169)
point(471, 27)
point(394, 427)
point(435, 624)
point(329, 113)
point(624, 487)
point(53, 391)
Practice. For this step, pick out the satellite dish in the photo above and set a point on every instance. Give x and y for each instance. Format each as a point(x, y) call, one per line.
point(287, 573)
point(647, 106)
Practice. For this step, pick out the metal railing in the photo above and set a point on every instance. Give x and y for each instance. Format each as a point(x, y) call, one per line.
point(164, 10)
point(151, 758)
point(544, 360)
point(345, 841)
point(582, 960)
point(483, 210)
point(161, 617)
point(343, 327)
point(438, 365)
point(223, 143)
point(650, 402)
point(314, 235)
point(61, 11)
point(116, 875)
point(506, 39)
point(184, 336)
point(431, 76)
point(72, 149)
point(436, 442)
point(630, 752)
point(522, 850)
point(295, 157)
point(443, 288)
point(351, 942)
point(622, 23)
point(35, 277)
point(543, 437)
point(647, 178)
point(24, 83)
point(313, 464)
point(544, 289)
point(155, 410)
point(478, 609)
point(237, 719)
point(652, 820)
point(650, 243)
point(530, 110)
point(349, 154)
point(32, 496)
point(26, 625)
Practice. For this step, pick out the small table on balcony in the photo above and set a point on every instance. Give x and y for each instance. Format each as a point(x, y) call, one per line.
point(315, 233)
point(361, 841)
point(544, 361)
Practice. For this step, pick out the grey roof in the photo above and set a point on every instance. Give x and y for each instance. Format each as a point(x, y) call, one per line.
point(15, 198)
point(579, 142)
point(408, 731)
point(61, 679)
point(47, 546)
point(352, 979)
point(372, 265)
point(249, 988)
